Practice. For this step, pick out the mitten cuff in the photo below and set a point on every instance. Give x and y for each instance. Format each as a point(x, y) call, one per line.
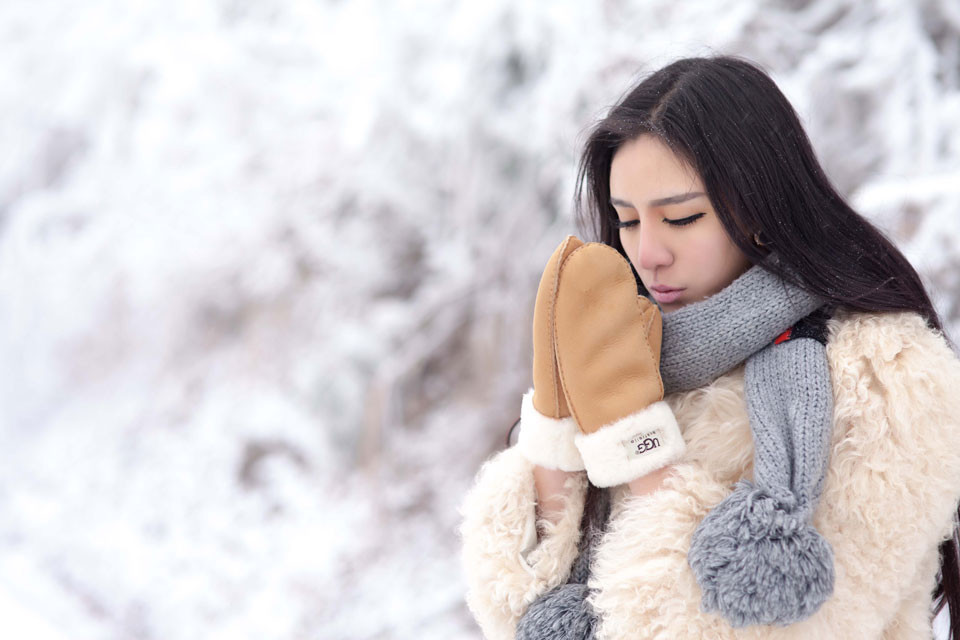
point(632, 446)
point(546, 441)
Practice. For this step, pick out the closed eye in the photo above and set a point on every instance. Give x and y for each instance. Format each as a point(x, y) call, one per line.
point(680, 222)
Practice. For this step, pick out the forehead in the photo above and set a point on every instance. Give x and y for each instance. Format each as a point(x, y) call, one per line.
point(647, 165)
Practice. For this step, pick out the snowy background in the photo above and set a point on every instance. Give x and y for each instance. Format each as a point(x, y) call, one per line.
point(267, 271)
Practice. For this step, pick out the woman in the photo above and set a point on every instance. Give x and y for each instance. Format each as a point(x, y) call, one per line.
point(811, 396)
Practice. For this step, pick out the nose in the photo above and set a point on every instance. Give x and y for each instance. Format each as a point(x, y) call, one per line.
point(652, 250)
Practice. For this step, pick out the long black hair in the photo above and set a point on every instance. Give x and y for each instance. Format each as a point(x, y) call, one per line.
point(727, 119)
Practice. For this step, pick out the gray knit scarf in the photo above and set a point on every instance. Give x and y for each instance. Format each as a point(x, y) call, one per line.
point(756, 555)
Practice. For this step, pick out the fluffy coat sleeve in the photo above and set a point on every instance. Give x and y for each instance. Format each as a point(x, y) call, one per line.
point(889, 500)
point(505, 565)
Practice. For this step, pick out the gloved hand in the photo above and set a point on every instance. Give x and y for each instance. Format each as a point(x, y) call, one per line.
point(607, 339)
point(547, 429)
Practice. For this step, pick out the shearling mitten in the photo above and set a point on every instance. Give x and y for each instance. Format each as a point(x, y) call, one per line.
point(547, 429)
point(607, 340)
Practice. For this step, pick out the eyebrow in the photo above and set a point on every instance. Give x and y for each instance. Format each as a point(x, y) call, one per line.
point(659, 202)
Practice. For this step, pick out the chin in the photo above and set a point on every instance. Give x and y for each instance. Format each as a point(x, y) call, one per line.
point(671, 306)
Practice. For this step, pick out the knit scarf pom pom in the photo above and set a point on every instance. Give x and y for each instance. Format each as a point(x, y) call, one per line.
point(759, 560)
point(561, 613)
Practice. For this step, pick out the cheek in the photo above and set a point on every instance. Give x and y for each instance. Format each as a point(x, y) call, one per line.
point(716, 256)
point(707, 250)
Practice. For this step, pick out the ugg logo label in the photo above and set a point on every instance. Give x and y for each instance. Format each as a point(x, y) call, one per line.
point(641, 443)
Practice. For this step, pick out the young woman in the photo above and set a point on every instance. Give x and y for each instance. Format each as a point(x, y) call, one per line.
point(770, 447)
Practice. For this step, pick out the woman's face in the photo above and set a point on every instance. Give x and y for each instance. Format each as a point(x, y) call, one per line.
point(673, 236)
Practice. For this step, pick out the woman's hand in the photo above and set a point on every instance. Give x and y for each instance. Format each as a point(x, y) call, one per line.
point(551, 491)
point(651, 482)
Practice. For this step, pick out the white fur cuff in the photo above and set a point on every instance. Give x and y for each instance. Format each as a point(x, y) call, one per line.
point(632, 446)
point(546, 441)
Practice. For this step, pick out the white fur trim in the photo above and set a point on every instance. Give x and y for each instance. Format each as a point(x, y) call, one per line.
point(546, 441)
point(632, 446)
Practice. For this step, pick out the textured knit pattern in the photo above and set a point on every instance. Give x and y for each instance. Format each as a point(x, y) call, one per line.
point(756, 555)
point(703, 340)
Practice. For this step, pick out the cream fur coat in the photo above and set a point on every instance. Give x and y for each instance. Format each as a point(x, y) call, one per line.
point(890, 497)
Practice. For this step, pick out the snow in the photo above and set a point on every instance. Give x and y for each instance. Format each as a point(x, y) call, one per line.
point(262, 308)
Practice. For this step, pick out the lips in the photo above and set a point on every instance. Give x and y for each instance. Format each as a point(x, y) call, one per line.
point(665, 289)
point(665, 295)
